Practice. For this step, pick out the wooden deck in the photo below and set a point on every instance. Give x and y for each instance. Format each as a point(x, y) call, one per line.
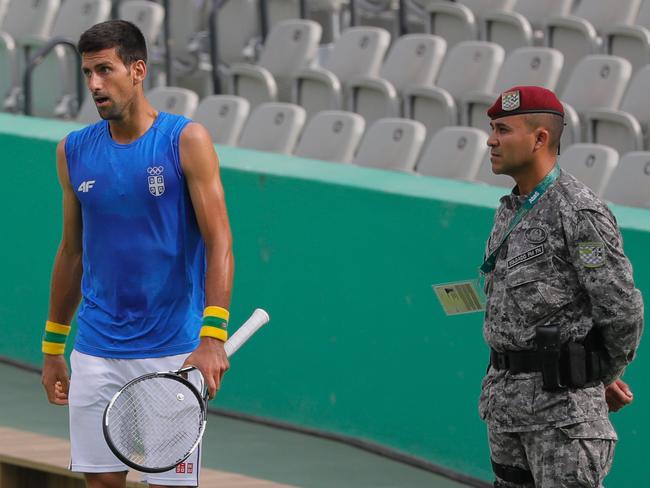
point(29, 460)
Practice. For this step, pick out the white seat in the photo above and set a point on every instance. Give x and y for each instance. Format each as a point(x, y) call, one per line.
point(325, 12)
point(485, 174)
point(273, 127)
point(358, 52)
point(414, 60)
point(454, 152)
point(174, 100)
point(631, 42)
point(87, 114)
point(590, 163)
point(54, 81)
point(391, 143)
point(539, 66)
point(237, 26)
point(458, 22)
point(7, 60)
point(4, 5)
point(471, 66)
point(291, 46)
point(577, 35)
point(146, 15)
point(625, 129)
point(629, 184)
point(224, 116)
point(331, 135)
point(522, 26)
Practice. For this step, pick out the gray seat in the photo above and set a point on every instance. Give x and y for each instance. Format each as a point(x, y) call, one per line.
point(87, 114)
point(326, 12)
point(592, 164)
point(391, 143)
point(4, 5)
point(625, 129)
point(7, 61)
point(577, 35)
point(539, 66)
point(331, 135)
point(454, 152)
point(53, 82)
point(291, 46)
point(631, 42)
point(358, 52)
point(223, 116)
point(523, 26)
point(146, 15)
point(414, 60)
point(470, 67)
point(461, 21)
point(273, 127)
point(175, 100)
point(629, 184)
point(485, 174)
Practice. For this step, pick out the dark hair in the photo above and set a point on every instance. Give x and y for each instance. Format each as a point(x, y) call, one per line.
point(553, 123)
point(125, 36)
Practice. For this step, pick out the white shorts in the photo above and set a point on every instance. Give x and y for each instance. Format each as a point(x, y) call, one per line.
point(93, 383)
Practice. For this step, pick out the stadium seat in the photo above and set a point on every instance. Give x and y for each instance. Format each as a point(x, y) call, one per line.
point(625, 129)
point(523, 26)
point(413, 60)
point(224, 116)
point(629, 183)
point(4, 5)
point(454, 152)
point(147, 15)
point(7, 62)
point(524, 66)
point(326, 12)
point(631, 42)
point(291, 45)
point(577, 35)
point(54, 81)
point(87, 114)
point(174, 100)
point(331, 135)
point(460, 21)
point(471, 66)
point(274, 127)
point(485, 174)
point(572, 133)
point(590, 163)
point(391, 143)
point(358, 52)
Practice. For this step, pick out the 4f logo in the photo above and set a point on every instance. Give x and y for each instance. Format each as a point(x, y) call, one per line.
point(156, 180)
point(86, 186)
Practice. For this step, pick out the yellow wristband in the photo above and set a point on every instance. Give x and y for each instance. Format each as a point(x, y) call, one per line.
point(218, 312)
point(54, 337)
point(53, 348)
point(214, 332)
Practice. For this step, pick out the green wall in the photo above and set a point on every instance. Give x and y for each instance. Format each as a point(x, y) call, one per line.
point(343, 259)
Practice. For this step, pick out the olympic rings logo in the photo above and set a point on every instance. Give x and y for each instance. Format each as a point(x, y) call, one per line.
point(155, 170)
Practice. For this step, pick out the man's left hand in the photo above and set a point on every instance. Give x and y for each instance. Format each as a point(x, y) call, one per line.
point(210, 358)
point(617, 395)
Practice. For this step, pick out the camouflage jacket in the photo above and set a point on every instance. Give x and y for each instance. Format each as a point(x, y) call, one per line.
point(562, 265)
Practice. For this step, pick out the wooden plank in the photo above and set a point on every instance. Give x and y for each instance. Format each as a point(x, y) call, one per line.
point(52, 455)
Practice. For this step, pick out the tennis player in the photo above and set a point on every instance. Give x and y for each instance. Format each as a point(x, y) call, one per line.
point(145, 254)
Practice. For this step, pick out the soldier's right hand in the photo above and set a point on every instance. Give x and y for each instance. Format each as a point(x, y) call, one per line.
point(617, 395)
point(55, 378)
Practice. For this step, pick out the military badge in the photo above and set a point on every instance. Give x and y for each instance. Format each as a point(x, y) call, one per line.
point(535, 235)
point(510, 100)
point(592, 254)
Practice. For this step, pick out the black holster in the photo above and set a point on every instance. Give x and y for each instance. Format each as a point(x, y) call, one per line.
point(549, 348)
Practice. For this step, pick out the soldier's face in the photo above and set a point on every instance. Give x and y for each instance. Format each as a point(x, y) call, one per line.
point(512, 144)
point(112, 85)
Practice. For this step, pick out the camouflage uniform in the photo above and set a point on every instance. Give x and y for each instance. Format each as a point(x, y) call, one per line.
point(562, 265)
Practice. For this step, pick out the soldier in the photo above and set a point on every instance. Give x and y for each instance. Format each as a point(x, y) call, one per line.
point(563, 317)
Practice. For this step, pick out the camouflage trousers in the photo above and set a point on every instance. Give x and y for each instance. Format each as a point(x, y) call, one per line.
point(578, 455)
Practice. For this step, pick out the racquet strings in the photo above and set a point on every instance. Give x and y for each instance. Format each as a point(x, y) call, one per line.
point(156, 422)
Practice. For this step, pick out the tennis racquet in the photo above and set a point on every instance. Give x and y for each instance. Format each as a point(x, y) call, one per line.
point(155, 421)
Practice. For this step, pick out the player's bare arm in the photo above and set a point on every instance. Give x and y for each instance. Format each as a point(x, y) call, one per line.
point(201, 168)
point(65, 292)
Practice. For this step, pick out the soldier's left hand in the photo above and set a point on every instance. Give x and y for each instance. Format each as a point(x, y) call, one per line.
point(617, 395)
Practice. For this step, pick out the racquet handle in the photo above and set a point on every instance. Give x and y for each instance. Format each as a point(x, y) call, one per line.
point(247, 329)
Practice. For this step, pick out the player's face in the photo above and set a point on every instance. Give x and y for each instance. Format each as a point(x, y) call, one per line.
point(511, 145)
point(112, 85)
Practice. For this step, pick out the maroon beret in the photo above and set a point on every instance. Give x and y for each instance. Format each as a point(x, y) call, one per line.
point(526, 100)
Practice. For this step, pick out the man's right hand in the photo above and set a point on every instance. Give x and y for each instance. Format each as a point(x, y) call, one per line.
point(55, 378)
point(617, 395)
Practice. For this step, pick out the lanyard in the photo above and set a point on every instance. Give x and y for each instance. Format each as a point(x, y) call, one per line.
point(534, 196)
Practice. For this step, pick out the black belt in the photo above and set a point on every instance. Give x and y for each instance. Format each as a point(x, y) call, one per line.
point(516, 361)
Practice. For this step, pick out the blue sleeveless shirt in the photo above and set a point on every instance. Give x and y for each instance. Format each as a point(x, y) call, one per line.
point(143, 254)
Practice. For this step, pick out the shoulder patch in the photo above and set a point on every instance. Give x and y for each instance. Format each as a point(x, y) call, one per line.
point(592, 254)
